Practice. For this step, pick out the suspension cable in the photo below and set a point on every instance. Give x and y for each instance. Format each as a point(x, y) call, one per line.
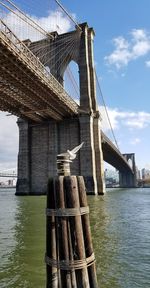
point(67, 13)
point(42, 31)
point(107, 114)
point(73, 81)
point(39, 29)
point(95, 73)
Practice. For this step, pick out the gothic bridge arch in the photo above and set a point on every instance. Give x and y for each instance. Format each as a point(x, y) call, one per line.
point(61, 50)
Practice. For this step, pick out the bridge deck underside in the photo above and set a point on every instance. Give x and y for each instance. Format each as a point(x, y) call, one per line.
point(24, 94)
point(113, 156)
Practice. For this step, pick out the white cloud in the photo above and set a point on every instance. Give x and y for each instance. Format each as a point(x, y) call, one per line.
point(138, 120)
point(55, 21)
point(128, 50)
point(8, 141)
point(112, 115)
point(138, 34)
point(130, 119)
point(135, 141)
point(147, 166)
point(147, 63)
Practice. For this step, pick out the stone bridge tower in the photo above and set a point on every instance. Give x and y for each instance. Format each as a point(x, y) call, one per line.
point(128, 179)
point(39, 144)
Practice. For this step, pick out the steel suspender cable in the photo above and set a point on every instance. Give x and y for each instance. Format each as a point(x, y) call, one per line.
point(42, 31)
point(38, 28)
point(71, 18)
point(106, 111)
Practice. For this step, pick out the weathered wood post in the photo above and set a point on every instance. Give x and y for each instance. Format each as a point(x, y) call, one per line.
point(69, 252)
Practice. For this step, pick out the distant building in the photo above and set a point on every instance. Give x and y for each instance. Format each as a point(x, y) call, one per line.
point(111, 177)
point(10, 182)
point(138, 173)
point(145, 173)
point(1, 183)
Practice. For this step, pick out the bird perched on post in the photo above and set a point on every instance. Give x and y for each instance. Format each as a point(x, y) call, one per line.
point(71, 154)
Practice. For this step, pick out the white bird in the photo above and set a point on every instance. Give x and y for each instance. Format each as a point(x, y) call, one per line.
point(72, 154)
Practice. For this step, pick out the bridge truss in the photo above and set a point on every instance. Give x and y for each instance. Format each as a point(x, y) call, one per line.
point(27, 89)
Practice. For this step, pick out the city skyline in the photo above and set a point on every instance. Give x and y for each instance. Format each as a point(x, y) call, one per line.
point(122, 58)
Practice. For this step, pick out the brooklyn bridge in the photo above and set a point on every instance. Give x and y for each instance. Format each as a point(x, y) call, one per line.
point(50, 121)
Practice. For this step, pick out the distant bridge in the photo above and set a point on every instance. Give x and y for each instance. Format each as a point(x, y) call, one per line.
point(8, 175)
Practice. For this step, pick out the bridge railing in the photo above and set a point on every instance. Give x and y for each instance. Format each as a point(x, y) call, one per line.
point(26, 55)
point(12, 175)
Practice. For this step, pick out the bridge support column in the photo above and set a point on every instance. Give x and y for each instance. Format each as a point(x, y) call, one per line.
point(91, 158)
point(99, 163)
point(87, 155)
point(23, 182)
point(38, 149)
point(39, 145)
point(129, 179)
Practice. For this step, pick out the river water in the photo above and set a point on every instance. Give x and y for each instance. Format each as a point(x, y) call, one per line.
point(120, 223)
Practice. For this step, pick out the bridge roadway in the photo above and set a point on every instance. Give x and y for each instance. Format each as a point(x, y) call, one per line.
point(113, 156)
point(28, 91)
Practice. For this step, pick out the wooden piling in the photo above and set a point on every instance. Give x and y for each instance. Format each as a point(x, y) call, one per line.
point(63, 232)
point(87, 232)
point(51, 251)
point(72, 200)
point(69, 256)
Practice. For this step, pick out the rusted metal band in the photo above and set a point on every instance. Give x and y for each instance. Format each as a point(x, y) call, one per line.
point(67, 212)
point(70, 264)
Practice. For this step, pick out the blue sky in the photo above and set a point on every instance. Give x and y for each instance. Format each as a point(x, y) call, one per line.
point(122, 57)
point(125, 81)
